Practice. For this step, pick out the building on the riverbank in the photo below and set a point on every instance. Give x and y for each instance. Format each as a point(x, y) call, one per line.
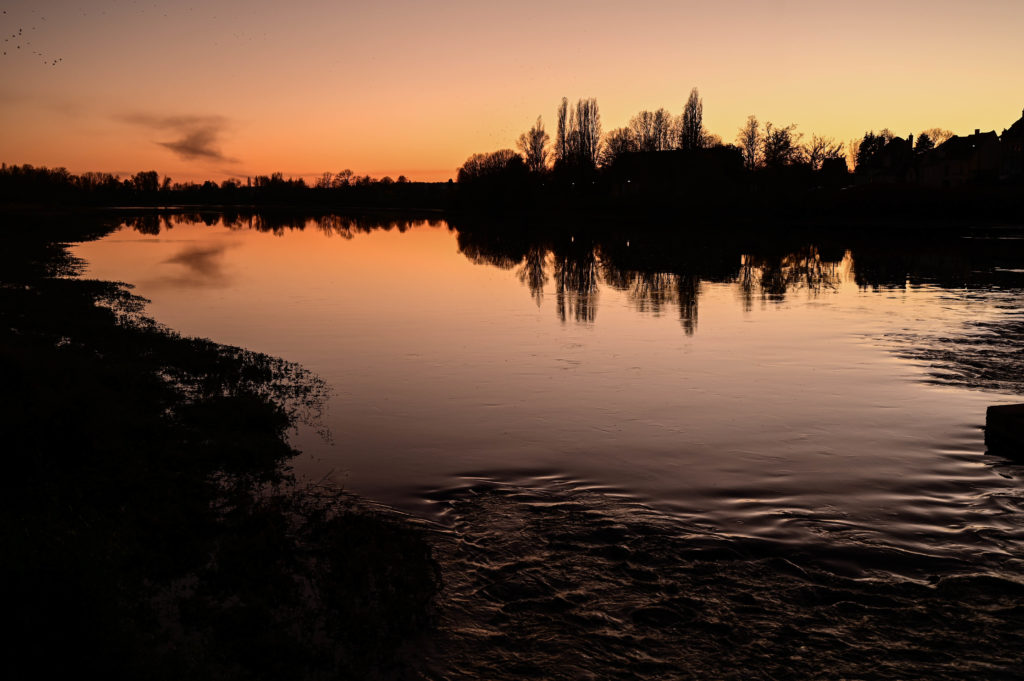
point(1012, 141)
point(962, 160)
point(982, 158)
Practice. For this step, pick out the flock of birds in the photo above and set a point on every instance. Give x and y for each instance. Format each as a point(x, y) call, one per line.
point(19, 41)
point(16, 41)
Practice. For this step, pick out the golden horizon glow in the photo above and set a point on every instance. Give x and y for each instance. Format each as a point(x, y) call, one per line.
point(401, 88)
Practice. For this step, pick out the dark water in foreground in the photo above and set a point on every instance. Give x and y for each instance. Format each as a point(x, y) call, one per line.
point(696, 460)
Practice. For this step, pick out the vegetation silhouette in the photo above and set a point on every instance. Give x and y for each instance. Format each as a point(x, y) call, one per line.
point(27, 186)
point(657, 165)
point(660, 164)
point(153, 529)
point(534, 146)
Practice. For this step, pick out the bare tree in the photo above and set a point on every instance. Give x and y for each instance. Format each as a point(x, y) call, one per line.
point(146, 181)
point(709, 139)
point(490, 165)
point(664, 128)
point(750, 140)
point(853, 152)
point(562, 139)
point(617, 142)
point(781, 146)
point(579, 133)
point(533, 143)
point(642, 128)
point(588, 132)
point(652, 130)
point(344, 178)
point(822, 148)
point(691, 134)
point(937, 135)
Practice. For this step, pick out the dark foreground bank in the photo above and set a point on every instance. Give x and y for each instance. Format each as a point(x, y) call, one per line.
point(151, 528)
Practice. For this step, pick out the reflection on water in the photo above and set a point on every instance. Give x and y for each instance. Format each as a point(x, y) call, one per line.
point(799, 406)
point(203, 266)
point(576, 279)
point(797, 484)
point(533, 272)
point(772, 279)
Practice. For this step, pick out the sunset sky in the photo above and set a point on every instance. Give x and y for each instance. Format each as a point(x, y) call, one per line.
point(230, 88)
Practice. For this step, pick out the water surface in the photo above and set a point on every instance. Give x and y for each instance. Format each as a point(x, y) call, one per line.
point(816, 396)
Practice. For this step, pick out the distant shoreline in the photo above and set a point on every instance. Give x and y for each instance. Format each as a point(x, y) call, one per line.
point(875, 210)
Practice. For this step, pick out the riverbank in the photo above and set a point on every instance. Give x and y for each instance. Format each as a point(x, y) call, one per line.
point(152, 528)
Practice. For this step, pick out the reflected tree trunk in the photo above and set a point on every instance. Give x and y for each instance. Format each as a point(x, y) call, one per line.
point(532, 272)
point(576, 280)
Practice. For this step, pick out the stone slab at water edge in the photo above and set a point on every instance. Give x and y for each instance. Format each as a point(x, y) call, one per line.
point(1004, 430)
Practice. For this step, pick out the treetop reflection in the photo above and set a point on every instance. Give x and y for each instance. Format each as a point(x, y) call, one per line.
point(662, 270)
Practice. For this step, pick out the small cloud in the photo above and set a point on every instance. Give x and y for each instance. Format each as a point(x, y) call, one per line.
point(196, 144)
point(195, 137)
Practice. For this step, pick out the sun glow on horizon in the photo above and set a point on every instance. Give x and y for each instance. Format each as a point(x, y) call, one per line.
point(232, 89)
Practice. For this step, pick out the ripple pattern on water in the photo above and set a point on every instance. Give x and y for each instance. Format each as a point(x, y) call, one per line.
point(564, 583)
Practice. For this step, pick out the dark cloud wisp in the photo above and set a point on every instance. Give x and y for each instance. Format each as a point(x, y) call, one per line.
point(194, 137)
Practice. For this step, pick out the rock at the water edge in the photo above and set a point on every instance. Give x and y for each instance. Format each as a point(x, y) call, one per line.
point(1004, 430)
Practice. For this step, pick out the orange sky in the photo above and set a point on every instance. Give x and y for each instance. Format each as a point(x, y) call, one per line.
point(234, 88)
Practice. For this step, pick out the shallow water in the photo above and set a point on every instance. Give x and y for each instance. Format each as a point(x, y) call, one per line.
point(560, 583)
point(820, 404)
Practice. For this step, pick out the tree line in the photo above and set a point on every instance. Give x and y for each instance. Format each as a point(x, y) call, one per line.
point(579, 143)
point(27, 184)
point(659, 161)
point(580, 146)
point(663, 160)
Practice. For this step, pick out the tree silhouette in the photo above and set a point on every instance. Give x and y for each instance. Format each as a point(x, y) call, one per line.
point(562, 139)
point(652, 130)
point(750, 140)
point(579, 134)
point(871, 145)
point(691, 132)
point(781, 146)
point(147, 181)
point(938, 135)
point(617, 142)
point(822, 149)
point(588, 132)
point(710, 139)
point(344, 178)
point(924, 143)
point(490, 166)
point(533, 143)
